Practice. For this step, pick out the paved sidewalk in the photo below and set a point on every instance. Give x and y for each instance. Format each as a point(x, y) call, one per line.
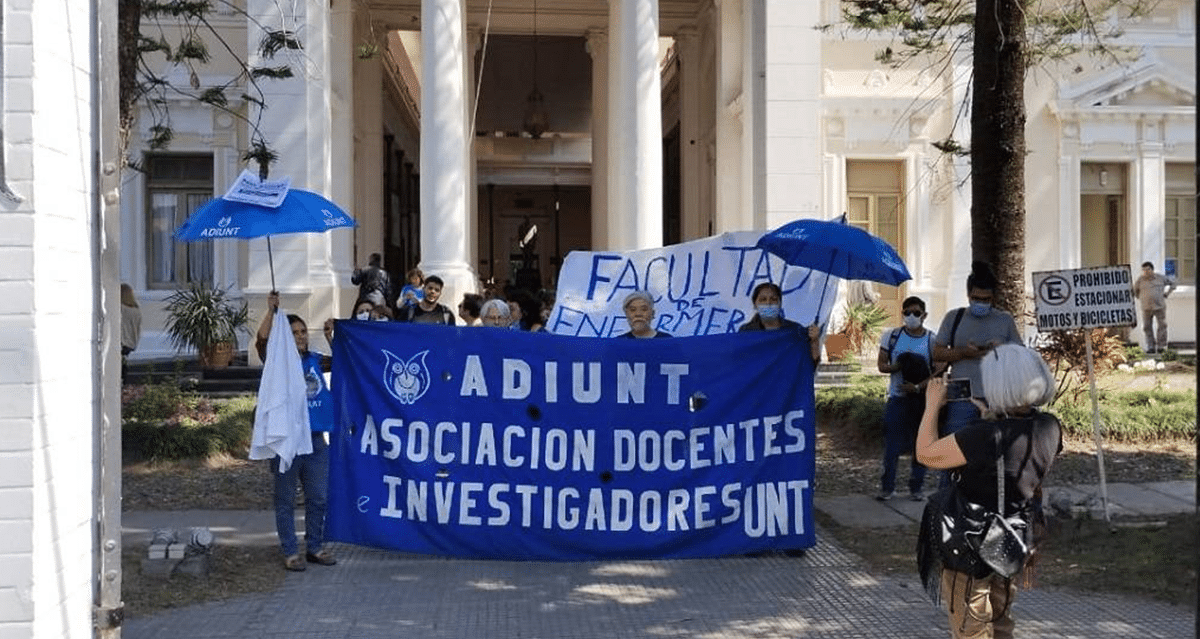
point(1149, 499)
point(373, 593)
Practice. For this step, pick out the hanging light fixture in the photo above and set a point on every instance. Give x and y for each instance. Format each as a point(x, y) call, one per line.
point(536, 121)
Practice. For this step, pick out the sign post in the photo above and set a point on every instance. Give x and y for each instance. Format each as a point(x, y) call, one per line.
point(1085, 299)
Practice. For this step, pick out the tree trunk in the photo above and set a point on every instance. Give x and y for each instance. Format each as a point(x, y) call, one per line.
point(129, 26)
point(998, 147)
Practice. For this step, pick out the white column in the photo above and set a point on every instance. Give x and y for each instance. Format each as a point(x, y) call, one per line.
point(597, 47)
point(366, 147)
point(1147, 224)
point(1070, 227)
point(687, 44)
point(473, 44)
point(792, 111)
point(284, 127)
point(335, 260)
point(635, 131)
point(444, 152)
point(956, 260)
point(728, 170)
point(753, 112)
point(298, 126)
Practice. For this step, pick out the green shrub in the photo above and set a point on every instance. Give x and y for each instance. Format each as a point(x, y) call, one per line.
point(858, 404)
point(1134, 416)
point(195, 429)
point(157, 402)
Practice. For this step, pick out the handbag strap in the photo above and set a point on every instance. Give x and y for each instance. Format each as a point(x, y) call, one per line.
point(1000, 475)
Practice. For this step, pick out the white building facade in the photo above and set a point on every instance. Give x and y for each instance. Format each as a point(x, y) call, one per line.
point(60, 378)
point(665, 120)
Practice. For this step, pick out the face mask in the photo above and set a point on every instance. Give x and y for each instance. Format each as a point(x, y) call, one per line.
point(770, 311)
point(979, 309)
point(381, 319)
point(912, 321)
point(363, 316)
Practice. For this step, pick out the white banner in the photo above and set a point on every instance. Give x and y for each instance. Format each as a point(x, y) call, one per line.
point(700, 287)
point(1084, 298)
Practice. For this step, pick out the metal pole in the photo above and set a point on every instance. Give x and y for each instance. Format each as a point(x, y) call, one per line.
point(106, 383)
point(271, 263)
point(1196, 315)
point(1196, 319)
point(1087, 340)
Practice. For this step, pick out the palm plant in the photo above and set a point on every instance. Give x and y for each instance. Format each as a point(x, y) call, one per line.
point(201, 317)
point(863, 322)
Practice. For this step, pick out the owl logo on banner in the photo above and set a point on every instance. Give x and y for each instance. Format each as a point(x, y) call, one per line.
point(407, 380)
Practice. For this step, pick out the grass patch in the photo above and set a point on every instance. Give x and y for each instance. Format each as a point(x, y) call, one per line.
point(1131, 416)
point(1143, 416)
point(235, 570)
point(1151, 557)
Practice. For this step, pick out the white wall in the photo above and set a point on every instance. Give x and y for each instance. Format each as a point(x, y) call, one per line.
point(46, 314)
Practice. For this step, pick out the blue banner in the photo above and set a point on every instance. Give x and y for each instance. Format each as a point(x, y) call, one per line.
point(490, 443)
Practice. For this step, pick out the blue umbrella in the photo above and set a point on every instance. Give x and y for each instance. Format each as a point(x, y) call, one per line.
point(836, 248)
point(301, 212)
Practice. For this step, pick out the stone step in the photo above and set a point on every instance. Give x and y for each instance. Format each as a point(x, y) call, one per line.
point(235, 380)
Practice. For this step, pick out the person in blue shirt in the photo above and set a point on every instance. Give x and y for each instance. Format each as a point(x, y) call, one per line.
point(907, 354)
point(311, 470)
point(412, 291)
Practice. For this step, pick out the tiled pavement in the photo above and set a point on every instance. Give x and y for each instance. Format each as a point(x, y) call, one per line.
point(373, 593)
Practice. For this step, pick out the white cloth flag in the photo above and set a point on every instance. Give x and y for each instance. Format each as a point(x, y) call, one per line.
point(281, 427)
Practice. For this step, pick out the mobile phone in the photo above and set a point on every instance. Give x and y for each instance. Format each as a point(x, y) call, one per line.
point(958, 390)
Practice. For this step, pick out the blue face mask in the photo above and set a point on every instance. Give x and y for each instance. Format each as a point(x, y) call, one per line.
point(770, 311)
point(980, 309)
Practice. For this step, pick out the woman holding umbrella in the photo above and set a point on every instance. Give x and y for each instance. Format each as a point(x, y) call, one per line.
point(768, 316)
point(767, 298)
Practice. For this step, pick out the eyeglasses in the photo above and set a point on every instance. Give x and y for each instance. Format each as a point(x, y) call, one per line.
point(913, 313)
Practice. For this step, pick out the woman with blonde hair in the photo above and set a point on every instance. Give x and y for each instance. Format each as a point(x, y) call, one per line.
point(131, 324)
point(1014, 432)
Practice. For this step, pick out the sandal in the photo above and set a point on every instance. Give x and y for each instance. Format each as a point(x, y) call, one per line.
point(294, 563)
point(322, 557)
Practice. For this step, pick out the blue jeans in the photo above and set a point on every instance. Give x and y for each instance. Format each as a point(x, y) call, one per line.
point(901, 417)
point(313, 472)
point(959, 414)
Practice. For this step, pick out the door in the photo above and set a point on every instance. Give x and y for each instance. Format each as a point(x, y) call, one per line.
point(1104, 219)
point(875, 204)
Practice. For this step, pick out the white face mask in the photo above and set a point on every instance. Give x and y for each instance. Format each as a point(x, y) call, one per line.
point(363, 316)
point(912, 321)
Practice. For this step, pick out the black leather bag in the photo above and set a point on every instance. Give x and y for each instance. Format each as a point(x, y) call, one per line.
point(958, 523)
point(1006, 542)
point(1004, 545)
point(979, 541)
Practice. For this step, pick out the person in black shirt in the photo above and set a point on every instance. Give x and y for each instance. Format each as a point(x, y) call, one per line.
point(428, 311)
point(1015, 380)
